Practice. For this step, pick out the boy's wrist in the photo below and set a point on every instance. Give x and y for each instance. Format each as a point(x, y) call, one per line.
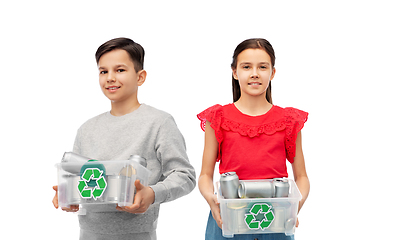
point(159, 191)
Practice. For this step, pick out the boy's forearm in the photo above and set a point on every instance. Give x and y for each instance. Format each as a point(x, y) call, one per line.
point(175, 185)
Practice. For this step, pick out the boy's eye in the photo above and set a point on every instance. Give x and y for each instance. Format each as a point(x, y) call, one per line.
point(121, 70)
point(103, 72)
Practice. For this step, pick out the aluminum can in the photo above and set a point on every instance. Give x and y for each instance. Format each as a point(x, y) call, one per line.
point(73, 157)
point(138, 159)
point(116, 187)
point(229, 182)
point(72, 193)
point(281, 187)
point(256, 189)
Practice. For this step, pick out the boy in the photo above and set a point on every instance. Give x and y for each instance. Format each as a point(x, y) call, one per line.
point(131, 128)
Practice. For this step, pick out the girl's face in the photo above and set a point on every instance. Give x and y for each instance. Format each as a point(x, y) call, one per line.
point(254, 72)
point(118, 79)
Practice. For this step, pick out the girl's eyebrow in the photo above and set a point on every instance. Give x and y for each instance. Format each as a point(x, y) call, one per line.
point(265, 63)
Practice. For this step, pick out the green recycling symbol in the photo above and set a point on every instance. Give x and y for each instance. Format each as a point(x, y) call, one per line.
point(90, 175)
point(261, 216)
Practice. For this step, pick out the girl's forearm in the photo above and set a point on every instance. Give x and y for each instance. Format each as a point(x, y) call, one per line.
point(205, 185)
point(304, 186)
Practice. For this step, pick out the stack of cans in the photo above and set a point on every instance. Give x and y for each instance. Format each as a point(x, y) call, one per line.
point(231, 187)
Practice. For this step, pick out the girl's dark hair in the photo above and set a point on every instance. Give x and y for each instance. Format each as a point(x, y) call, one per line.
point(254, 43)
point(135, 51)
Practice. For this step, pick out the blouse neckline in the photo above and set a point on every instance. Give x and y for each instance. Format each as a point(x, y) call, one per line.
point(249, 116)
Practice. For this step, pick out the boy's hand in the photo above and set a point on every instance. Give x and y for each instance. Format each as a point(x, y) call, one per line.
point(55, 201)
point(143, 198)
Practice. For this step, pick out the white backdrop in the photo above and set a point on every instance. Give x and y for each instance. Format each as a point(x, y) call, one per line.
point(334, 60)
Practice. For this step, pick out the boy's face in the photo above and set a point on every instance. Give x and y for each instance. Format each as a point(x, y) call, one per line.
point(117, 77)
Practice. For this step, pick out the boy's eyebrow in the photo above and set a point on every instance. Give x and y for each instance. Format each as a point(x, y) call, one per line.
point(116, 66)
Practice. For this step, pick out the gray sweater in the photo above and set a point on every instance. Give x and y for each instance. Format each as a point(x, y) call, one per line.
point(147, 132)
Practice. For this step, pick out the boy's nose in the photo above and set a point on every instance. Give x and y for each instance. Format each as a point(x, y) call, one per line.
point(111, 78)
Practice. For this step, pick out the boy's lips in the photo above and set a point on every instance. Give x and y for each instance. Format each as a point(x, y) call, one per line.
point(112, 88)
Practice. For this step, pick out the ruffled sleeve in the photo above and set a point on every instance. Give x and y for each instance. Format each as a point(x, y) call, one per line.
point(214, 115)
point(295, 120)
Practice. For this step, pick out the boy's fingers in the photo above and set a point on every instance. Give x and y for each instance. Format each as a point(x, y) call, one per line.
point(138, 185)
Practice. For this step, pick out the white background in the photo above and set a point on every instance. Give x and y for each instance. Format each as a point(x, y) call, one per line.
point(334, 60)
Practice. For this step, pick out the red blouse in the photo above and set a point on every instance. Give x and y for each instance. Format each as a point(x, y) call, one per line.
point(255, 147)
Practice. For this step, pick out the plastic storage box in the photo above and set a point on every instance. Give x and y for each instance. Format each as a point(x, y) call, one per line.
point(259, 215)
point(99, 182)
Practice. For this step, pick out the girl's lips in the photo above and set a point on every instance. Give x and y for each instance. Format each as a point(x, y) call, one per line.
point(254, 83)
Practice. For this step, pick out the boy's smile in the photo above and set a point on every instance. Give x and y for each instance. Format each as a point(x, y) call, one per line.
point(113, 89)
point(118, 79)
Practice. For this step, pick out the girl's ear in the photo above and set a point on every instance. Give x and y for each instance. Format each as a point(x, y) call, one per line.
point(235, 74)
point(141, 77)
point(273, 74)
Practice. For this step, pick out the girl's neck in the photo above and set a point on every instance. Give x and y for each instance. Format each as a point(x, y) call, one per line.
point(123, 108)
point(253, 105)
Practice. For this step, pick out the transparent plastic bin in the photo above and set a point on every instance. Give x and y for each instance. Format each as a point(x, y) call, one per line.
point(99, 182)
point(259, 215)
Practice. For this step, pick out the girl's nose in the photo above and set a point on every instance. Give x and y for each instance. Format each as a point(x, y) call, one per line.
point(254, 75)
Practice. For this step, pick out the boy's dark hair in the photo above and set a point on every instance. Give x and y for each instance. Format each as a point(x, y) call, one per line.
point(253, 43)
point(135, 51)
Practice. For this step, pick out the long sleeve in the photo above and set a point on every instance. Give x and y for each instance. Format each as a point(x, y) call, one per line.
point(179, 177)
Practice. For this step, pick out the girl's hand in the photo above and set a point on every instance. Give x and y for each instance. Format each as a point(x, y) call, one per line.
point(55, 201)
point(215, 209)
point(143, 198)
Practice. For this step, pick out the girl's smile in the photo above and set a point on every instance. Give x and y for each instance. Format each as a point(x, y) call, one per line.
point(253, 72)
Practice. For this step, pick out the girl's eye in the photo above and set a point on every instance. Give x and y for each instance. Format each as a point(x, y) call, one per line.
point(263, 67)
point(246, 67)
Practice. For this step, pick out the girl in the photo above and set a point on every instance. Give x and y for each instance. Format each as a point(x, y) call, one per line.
point(251, 136)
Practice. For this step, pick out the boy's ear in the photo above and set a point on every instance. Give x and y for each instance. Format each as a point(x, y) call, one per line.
point(141, 77)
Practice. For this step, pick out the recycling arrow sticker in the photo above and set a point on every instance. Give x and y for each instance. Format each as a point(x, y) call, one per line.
point(259, 216)
point(92, 183)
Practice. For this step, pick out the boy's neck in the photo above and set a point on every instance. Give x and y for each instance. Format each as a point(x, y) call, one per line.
point(122, 108)
point(253, 105)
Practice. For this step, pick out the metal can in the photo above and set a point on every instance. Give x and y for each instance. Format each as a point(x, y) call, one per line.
point(281, 187)
point(256, 189)
point(138, 159)
point(229, 182)
point(73, 157)
point(117, 189)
